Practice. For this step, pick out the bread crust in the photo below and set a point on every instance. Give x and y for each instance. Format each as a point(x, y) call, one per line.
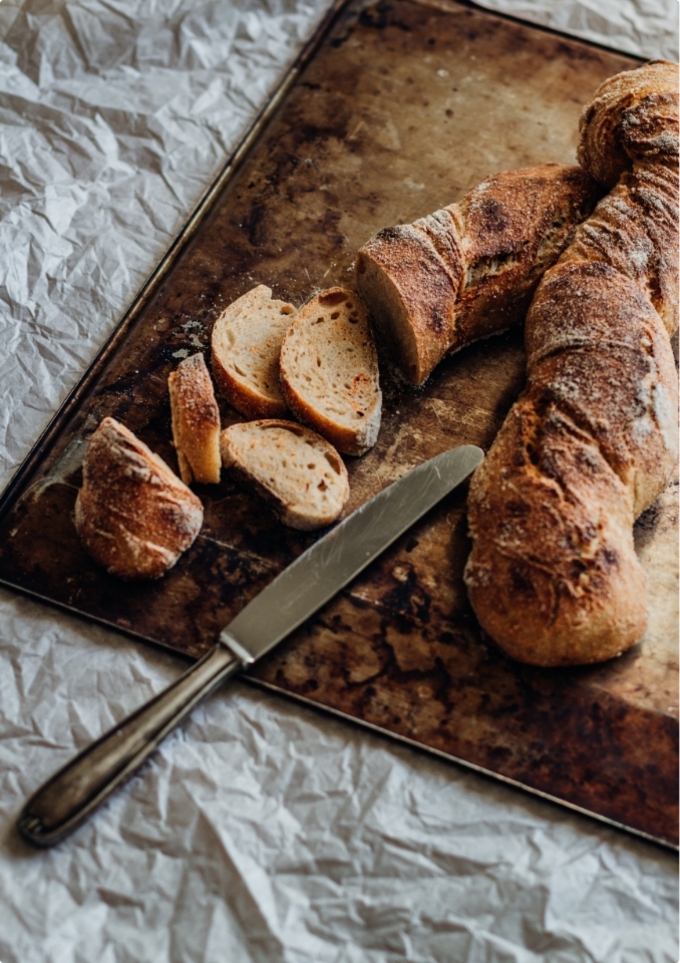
point(195, 421)
point(246, 344)
point(133, 515)
point(329, 371)
point(469, 271)
point(293, 468)
point(553, 576)
point(632, 116)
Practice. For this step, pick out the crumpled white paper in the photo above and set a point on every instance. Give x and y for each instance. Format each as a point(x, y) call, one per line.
point(644, 28)
point(114, 118)
point(261, 831)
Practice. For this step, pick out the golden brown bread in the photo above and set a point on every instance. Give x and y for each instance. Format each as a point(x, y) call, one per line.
point(633, 116)
point(469, 270)
point(195, 421)
point(553, 576)
point(133, 515)
point(630, 131)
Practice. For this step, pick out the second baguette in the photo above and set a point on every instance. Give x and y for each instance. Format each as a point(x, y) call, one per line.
point(553, 576)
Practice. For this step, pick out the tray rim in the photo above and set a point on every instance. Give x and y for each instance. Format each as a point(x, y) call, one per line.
point(449, 758)
point(20, 481)
point(475, 767)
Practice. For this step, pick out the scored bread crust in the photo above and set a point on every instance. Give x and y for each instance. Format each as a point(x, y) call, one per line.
point(195, 421)
point(329, 370)
point(297, 471)
point(133, 515)
point(469, 271)
point(246, 344)
point(553, 576)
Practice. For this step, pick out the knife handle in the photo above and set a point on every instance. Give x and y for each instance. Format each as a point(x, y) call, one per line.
point(68, 798)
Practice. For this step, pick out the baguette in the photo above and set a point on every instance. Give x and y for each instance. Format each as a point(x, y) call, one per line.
point(469, 271)
point(329, 371)
point(299, 473)
point(195, 421)
point(246, 344)
point(133, 515)
point(553, 576)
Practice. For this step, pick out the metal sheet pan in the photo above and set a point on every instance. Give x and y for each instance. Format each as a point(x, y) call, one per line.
point(401, 109)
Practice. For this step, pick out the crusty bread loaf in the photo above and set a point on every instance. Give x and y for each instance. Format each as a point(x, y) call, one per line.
point(195, 421)
point(469, 270)
point(329, 371)
point(299, 473)
point(553, 576)
point(246, 344)
point(133, 515)
point(634, 116)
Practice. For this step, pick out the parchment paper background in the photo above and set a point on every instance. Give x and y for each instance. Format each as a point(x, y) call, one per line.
point(644, 28)
point(262, 831)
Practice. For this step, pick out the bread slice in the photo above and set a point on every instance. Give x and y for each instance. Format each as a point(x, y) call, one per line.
point(133, 515)
point(293, 468)
point(195, 421)
point(246, 344)
point(329, 370)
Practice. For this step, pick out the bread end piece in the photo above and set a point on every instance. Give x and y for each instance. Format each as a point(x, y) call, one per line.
point(195, 421)
point(411, 294)
point(295, 470)
point(468, 271)
point(133, 515)
point(246, 344)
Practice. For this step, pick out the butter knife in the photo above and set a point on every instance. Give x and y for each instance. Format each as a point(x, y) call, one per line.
point(74, 792)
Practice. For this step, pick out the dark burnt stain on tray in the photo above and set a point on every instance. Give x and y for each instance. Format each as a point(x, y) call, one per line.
point(403, 108)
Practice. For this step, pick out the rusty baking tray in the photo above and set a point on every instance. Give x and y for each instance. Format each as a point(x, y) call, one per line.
point(396, 109)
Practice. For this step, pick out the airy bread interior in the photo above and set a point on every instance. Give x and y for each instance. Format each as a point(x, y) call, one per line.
point(246, 344)
point(329, 370)
point(299, 473)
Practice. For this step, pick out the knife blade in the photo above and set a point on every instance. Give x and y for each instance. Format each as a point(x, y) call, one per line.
point(77, 789)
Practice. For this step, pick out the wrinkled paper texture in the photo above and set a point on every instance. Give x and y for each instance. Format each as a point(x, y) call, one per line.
point(262, 831)
point(644, 28)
